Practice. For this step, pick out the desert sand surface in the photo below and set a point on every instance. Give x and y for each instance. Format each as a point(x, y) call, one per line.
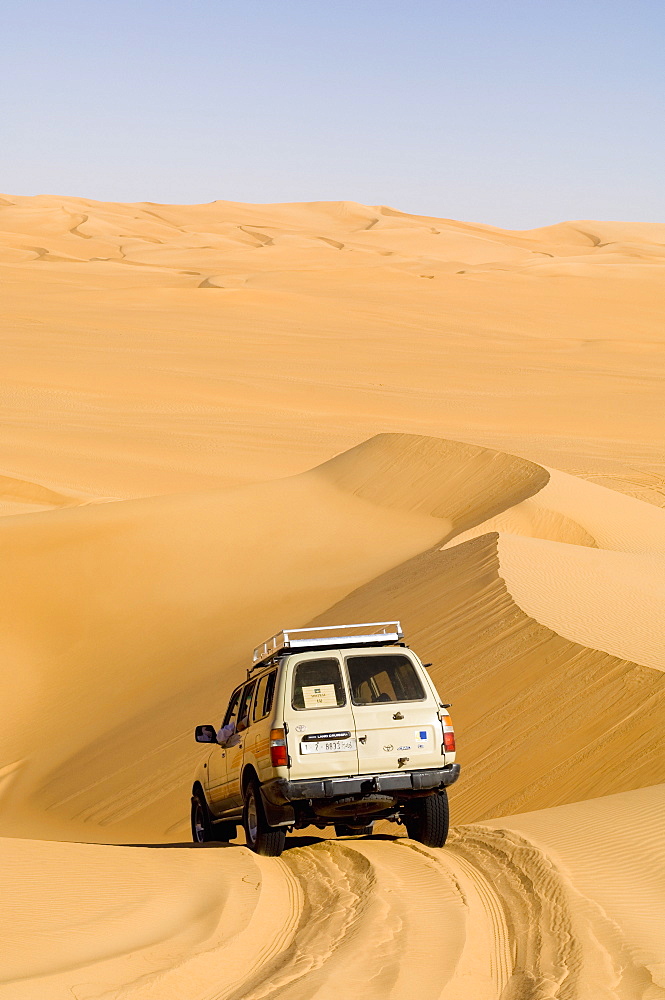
point(161, 349)
point(544, 904)
point(221, 420)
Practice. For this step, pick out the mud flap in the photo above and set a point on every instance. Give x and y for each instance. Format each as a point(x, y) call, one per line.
point(278, 814)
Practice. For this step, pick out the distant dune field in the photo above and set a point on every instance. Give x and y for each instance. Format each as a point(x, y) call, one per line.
point(174, 348)
point(221, 420)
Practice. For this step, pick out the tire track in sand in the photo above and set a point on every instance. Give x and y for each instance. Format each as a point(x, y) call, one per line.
point(489, 917)
point(536, 952)
point(393, 919)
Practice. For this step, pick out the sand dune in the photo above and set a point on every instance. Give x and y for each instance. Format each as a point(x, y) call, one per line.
point(539, 715)
point(528, 907)
point(612, 851)
point(204, 574)
point(589, 564)
point(160, 349)
point(223, 419)
point(560, 587)
point(120, 614)
point(133, 617)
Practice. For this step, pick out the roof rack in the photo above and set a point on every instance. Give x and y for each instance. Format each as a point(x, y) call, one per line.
point(327, 637)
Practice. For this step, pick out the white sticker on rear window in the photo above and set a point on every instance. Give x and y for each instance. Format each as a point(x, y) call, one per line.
point(319, 696)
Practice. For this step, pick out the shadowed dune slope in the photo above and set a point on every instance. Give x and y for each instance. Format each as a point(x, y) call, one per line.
point(531, 907)
point(541, 720)
point(125, 623)
point(589, 564)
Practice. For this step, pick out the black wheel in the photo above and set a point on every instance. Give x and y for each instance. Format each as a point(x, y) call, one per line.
point(261, 838)
point(428, 819)
point(201, 825)
point(342, 830)
point(203, 828)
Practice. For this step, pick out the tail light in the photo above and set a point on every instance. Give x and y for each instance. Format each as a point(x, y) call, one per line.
point(279, 756)
point(448, 734)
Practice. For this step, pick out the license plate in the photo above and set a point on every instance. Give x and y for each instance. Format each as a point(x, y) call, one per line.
point(327, 746)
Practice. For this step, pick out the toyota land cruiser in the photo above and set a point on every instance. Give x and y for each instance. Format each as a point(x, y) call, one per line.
point(336, 726)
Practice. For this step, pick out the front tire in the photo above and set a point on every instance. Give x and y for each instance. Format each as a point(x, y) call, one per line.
point(261, 838)
point(203, 828)
point(428, 820)
point(201, 825)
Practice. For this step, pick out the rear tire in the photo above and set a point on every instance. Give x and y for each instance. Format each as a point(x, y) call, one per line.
point(341, 830)
point(261, 838)
point(429, 819)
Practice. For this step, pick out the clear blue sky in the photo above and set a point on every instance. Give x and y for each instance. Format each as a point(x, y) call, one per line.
point(513, 112)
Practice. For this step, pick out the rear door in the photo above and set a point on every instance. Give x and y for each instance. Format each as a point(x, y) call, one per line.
point(257, 739)
point(317, 710)
point(217, 760)
point(235, 746)
point(396, 715)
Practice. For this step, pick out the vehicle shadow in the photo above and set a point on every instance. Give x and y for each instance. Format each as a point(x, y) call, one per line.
point(216, 845)
point(291, 843)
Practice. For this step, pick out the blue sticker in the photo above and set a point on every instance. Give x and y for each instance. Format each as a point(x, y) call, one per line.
point(422, 734)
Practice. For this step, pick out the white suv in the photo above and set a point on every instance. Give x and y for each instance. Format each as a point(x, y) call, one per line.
point(333, 726)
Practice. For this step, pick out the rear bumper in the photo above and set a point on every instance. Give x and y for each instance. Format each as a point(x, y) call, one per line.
point(282, 791)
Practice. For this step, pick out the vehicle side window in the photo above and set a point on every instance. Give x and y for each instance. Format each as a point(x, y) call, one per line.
point(232, 710)
point(383, 678)
point(245, 703)
point(318, 684)
point(264, 695)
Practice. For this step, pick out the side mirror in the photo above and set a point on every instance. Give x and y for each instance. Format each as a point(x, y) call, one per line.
point(205, 734)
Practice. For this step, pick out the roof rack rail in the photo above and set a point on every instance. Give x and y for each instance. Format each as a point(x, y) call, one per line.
point(327, 637)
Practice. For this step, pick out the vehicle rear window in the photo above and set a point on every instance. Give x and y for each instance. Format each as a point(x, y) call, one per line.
point(318, 684)
point(386, 678)
point(264, 695)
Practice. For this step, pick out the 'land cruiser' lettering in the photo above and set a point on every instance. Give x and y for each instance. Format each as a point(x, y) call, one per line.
point(326, 736)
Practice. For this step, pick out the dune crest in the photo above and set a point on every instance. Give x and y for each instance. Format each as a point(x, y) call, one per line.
point(461, 482)
point(112, 763)
point(518, 689)
point(114, 760)
point(588, 563)
point(612, 601)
